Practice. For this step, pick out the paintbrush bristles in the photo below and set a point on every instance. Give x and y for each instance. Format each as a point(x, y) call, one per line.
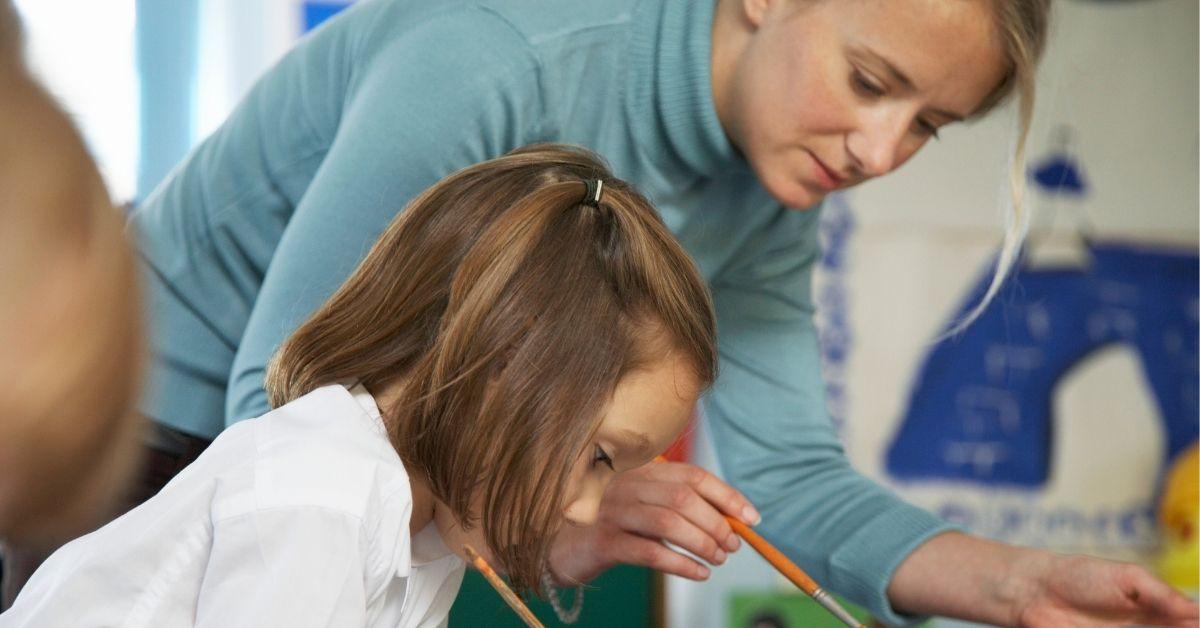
point(506, 593)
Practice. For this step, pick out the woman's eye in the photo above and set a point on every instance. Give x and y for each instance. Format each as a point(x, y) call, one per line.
point(927, 128)
point(866, 86)
point(602, 456)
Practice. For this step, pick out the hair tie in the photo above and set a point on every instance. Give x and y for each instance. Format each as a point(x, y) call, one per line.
point(595, 190)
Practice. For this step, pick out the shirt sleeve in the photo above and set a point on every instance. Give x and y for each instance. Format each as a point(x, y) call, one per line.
point(297, 567)
point(461, 89)
point(772, 434)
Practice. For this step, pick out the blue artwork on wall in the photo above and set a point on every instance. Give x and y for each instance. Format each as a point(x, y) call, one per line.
point(1059, 173)
point(981, 409)
point(832, 297)
point(317, 12)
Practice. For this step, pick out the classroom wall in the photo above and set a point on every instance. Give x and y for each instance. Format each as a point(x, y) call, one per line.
point(97, 89)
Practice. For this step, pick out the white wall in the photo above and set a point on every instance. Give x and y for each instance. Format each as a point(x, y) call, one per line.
point(83, 52)
point(239, 40)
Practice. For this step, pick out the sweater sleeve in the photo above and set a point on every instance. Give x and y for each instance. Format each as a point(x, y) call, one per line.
point(773, 438)
point(460, 88)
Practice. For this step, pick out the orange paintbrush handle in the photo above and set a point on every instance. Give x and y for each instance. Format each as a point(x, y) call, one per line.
point(506, 593)
point(768, 551)
point(789, 569)
point(774, 556)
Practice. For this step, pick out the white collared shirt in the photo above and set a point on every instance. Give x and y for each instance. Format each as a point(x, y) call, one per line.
point(297, 518)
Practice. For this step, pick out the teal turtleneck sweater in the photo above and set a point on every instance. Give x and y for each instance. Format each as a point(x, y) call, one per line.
point(272, 212)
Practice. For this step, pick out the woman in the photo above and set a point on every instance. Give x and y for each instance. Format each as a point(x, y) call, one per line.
point(733, 116)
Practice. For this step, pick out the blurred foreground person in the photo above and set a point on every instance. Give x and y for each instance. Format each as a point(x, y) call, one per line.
point(70, 345)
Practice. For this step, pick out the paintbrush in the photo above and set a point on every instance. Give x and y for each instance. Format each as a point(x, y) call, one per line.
point(772, 555)
point(511, 598)
point(789, 570)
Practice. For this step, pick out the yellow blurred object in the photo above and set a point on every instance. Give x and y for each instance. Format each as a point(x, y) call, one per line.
point(1179, 522)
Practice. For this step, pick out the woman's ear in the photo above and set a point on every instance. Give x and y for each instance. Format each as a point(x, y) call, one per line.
point(755, 11)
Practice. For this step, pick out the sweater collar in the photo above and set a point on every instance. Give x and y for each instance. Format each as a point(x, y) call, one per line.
point(670, 96)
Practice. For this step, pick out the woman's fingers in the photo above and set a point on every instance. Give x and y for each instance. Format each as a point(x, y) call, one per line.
point(645, 508)
point(637, 550)
point(697, 495)
point(688, 507)
point(656, 522)
point(1159, 601)
point(680, 504)
point(721, 495)
point(1083, 590)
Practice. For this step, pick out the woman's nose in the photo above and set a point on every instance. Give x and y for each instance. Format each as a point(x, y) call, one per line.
point(875, 146)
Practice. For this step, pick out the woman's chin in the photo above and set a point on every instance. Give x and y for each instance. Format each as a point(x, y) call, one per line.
point(794, 194)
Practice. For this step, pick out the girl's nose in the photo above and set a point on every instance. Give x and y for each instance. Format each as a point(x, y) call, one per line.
point(585, 509)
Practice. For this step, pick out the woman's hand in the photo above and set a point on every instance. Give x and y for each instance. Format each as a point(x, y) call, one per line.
point(1084, 591)
point(958, 575)
point(678, 503)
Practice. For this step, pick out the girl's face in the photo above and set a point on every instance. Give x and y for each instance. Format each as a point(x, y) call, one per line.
point(823, 95)
point(648, 410)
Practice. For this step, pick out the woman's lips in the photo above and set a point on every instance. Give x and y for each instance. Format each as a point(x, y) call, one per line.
point(825, 176)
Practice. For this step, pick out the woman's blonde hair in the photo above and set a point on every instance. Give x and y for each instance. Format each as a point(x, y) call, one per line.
point(509, 309)
point(1022, 27)
point(70, 332)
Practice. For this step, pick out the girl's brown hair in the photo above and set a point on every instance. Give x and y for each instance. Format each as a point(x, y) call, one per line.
point(509, 309)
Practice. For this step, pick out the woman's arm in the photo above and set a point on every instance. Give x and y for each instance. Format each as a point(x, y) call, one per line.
point(462, 88)
point(963, 576)
point(773, 436)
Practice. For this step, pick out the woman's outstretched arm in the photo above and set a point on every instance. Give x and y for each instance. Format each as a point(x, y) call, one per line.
point(963, 576)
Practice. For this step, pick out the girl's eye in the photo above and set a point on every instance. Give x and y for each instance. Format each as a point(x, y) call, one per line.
point(866, 86)
point(602, 456)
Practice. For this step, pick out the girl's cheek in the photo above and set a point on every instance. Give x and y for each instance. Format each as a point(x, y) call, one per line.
point(579, 474)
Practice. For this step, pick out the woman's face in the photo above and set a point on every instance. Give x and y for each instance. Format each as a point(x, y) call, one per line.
point(824, 94)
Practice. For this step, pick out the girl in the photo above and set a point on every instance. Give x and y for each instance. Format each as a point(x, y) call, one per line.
point(527, 329)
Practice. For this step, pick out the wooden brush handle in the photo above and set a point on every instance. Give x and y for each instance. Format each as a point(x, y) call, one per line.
point(506, 593)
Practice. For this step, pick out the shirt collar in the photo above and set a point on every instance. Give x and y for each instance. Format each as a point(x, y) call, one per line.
point(427, 545)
